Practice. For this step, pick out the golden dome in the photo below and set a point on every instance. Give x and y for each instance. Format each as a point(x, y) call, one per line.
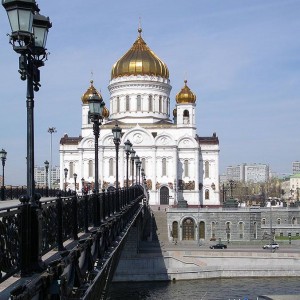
point(139, 60)
point(185, 95)
point(90, 91)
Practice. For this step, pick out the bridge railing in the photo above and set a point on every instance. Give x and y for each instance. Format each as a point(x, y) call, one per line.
point(26, 229)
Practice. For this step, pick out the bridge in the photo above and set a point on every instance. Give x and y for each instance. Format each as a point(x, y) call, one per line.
point(66, 247)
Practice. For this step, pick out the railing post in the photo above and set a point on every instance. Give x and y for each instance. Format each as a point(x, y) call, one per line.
point(86, 212)
point(101, 207)
point(74, 212)
point(25, 232)
point(59, 238)
point(104, 205)
point(96, 219)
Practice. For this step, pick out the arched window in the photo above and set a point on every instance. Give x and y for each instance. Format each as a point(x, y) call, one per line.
point(278, 221)
point(150, 108)
point(127, 103)
point(174, 230)
point(118, 104)
point(139, 103)
point(160, 104)
point(186, 168)
point(206, 194)
point(91, 173)
point(206, 169)
point(213, 230)
point(111, 167)
point(263, 221)
point(71, 169)
point(228, 230)
point(294, 221)
point(241, 230)
point(144, 165)
point(186, 117)
point(164, 167)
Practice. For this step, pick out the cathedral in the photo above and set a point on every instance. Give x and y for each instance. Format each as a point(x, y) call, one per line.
point(179, 165)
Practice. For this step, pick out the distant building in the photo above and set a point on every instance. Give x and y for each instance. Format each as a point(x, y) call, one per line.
point(296, 167)
point(295, 186)
point(247, 173)
point(256, 173)
point(40, 176)
point(236, 173)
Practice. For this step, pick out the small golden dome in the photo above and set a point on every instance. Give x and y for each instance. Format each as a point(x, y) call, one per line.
point(185, 95)
point(90, 91)
point(105, 112)
point(175, 112)
point(139, 60)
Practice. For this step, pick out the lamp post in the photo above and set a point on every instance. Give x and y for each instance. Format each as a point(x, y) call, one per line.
point(28, 38)
point(137, 159)
point(139, 170)
point(66, 174)
point(132, 156)
point(75, 179)
point(51, 130)
point(82, 185)
point(128, 146)
point(46, 179)
point(117, 138)
point(96, 105)
point(3, 154)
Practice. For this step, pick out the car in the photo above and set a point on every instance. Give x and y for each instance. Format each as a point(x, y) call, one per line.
point(271, 246)
point(218, 246)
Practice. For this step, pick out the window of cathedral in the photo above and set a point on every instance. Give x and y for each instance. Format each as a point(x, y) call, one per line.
point(118, 105)
point(150, 108)
point(206, 194)
point(160, 104)
point(91, 169)
point(186, 168)
point(278, 221)
point(111, 167)
point(144, 165)
point(186, 117)
point(139, 103)
point(71, 169)
point(206, 169)
point(127, 103)
point(263, 221)
point(164, 167)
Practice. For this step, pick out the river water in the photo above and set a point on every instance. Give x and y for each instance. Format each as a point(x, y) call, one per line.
point(206, 289)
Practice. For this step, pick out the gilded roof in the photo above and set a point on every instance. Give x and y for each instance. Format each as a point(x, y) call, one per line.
point(90, 91)
point(139, 60)
point(185, 95)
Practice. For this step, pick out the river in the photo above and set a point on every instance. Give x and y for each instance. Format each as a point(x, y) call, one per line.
point(206, 289)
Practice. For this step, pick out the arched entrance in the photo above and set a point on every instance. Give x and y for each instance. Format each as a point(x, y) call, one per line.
point(201, 230)
point(188, 229)
point(175, 230)
point(164, 196)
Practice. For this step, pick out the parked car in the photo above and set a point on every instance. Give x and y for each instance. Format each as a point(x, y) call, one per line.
point(218, 246)
point(271, 246)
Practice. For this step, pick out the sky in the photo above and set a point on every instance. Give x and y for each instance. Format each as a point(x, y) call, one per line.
point(241, 59)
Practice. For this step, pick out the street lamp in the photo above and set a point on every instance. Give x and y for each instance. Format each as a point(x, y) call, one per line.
point(51, 130)
point(117, 138)
point(96, 105)
point(82, 185)
point(128, 146)
point(66, 174)
point(46, 179)
point(139, 170)
point(132, 156)
point(3, 154)
point(28, 37)
point(137, 159)
point(75, 178)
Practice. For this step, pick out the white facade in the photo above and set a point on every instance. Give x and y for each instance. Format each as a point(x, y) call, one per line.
point(171, 151)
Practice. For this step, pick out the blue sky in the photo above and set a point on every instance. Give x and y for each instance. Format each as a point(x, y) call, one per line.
point(241, 59)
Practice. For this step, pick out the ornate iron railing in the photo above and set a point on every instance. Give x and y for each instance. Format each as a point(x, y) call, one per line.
point(53, 222)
